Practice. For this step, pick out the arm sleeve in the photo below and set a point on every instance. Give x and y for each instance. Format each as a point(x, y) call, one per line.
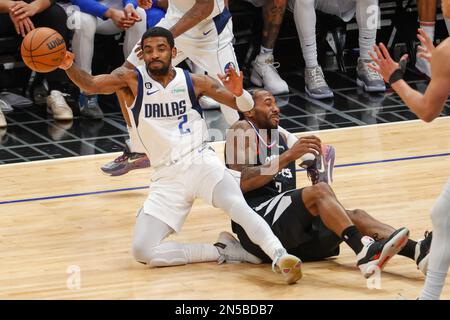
point(92, 7)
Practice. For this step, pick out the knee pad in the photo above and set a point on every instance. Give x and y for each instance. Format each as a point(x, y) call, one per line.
point(165, 256)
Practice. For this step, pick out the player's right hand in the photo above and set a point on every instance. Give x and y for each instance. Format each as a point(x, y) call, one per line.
point(304, 145)
point(67, 61)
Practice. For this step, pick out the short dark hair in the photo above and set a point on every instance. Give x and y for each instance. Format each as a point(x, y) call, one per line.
point(158, 32)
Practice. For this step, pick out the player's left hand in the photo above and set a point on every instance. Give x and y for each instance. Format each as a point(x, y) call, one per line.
point(384, 64)
point(232, 81)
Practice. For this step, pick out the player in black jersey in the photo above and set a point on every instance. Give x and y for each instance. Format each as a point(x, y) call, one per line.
point(310, 222)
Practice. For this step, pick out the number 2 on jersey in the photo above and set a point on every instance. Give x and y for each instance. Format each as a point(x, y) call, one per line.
point(183, 119)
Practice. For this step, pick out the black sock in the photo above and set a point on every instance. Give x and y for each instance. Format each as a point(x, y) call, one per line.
point(409, 250)
point(352, 237)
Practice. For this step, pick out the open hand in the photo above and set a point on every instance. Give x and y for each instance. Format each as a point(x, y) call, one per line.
point(232, 81)
point(427, 47)
point(384, 64)
point(22, 26)
point(68, 61)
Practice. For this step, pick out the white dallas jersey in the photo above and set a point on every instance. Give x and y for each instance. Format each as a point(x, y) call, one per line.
point(168, 120)
point(178, 8)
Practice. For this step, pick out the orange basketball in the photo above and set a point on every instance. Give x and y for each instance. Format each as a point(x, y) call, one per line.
point(43, 49)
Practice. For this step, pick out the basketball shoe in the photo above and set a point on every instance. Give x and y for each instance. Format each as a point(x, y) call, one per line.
point(58, 107)
point(231, 250)
point(422, 253)
point(264, 73)
point(375, 254)
point(126, 162)
point(288, 265)
point(322, 169)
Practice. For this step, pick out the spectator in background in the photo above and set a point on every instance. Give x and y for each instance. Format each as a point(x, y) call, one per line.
point(305, 20)
point(155, 10)
point(19, 18)
point(264, 72)
point(105, 17)
point(427, 21)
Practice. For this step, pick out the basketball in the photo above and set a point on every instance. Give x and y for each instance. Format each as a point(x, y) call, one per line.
point(43, 50)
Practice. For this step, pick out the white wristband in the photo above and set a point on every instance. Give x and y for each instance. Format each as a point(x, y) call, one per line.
point(245, 102)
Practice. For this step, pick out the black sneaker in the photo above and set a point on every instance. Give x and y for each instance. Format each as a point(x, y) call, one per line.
point(422, 253)
point(126, 162)
point(375, 254)
point(89, 107)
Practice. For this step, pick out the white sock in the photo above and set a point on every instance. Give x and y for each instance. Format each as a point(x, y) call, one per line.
point(434, 283)
point(200, 252)
point(439, 260)
point(309, 49)
point(428, 27)
point(135, 144)
point(447, 23)
point(367, 39)
point(265, 50)
point(367, 33)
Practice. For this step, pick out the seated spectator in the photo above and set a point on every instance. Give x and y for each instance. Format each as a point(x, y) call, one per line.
point(107, 17)
point(427, 21)
point(264, 72)
point(305, 20)
point(20, 17)
point(155, 10)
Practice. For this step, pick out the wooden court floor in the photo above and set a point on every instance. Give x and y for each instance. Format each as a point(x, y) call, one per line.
point(66, 229)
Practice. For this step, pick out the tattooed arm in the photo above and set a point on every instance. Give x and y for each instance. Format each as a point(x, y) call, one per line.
point(199, 11)
point(206, 86)
point(120, 78)
point(273, 12)
point(241, 155)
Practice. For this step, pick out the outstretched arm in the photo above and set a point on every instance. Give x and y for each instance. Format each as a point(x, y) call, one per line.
point(426, 106)
point(120, 78)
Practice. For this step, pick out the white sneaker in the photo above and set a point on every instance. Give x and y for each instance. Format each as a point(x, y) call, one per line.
point(265, 74)
point(375, 254)
point(288, 265)
point(3, 123)
point(423, 66)
point(231, 250)
point(422, 252)
point(58, 107)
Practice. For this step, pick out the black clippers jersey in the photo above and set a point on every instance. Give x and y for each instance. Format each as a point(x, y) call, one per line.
point(283, 181)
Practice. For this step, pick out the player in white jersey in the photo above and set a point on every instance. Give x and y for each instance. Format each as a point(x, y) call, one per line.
point(427, 107)
point(203, 32)
point(169, 124)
